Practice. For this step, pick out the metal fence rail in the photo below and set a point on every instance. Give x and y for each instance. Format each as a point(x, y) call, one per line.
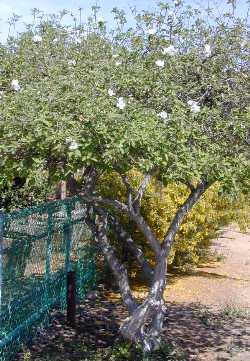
point(38, 247)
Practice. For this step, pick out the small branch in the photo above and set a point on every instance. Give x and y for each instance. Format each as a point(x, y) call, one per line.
point(141, 190)
point(97, 201)
point(90, 177)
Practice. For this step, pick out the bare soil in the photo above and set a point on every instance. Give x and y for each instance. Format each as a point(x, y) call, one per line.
point(220, 292)
point(218, 283)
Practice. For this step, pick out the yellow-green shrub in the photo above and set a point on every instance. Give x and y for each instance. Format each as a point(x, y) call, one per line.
point(200, 227)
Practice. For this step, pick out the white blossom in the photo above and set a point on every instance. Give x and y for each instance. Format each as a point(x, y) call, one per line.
point(100, 20)
point(1, 94)
point(170, 50)
point(163, 115)
point(207, 50)
point(194, 106)
point(15, 85)
point(73, 145)
point(121, 103)
point(111, 92)
point(160, 63)
point(55, 41)
point(151, 31)
point(78, 40)
point(72, 62)
point(118, 63)
point(243, 43)
point(115, 56)
point(37, 39)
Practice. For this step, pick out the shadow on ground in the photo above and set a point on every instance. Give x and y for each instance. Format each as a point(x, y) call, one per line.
point(200, 333)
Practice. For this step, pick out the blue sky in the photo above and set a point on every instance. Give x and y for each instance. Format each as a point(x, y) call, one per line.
point(23, 7)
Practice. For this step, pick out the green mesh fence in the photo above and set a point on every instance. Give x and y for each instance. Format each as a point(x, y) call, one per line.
point(38, 246)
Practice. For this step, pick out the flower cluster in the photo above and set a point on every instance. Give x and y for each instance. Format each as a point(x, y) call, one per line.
point(15, 85)
point(121, 104)
point(194, 106)
point(160, 63)
point(73, 145)
point(163, 115)
point(37, 39)
point(170, 50)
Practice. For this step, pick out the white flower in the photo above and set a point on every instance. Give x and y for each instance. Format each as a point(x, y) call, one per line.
point(171, 14)
point(160, 63)
point(243, 44)
point(73, 145)
point(151, 31)
point(101, 20)
point(78, 40)
point(72, 62)
point(121, 103)
point(115, 56)
point(15, 85)
point(163, 115)
point(37, 39)
point(55, 41)
point(1, 94)
point(111, 92)
point(170, 50)
point(195, 108)
point(118, 63)
point(207, 50)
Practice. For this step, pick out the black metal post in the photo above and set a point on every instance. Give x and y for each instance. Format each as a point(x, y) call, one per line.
point(1, 255)
point(71, 298)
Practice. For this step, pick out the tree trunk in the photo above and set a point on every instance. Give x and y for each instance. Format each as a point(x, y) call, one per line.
point(145, 323)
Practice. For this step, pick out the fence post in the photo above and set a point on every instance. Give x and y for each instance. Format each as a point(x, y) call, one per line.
point(71, 298)
point(49, 245)
point(71, 276)
point(1, 255)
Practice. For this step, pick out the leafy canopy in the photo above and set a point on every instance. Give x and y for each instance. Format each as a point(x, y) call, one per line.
point(171, 93)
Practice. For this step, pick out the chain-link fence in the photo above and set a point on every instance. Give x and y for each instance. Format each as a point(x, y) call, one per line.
point(38, 247)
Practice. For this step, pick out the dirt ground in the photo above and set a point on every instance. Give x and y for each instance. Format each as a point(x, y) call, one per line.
point(219, 290)
point(219, 283)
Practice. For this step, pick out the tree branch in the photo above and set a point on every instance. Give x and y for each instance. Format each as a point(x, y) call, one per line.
point(97, 200)
point(141, 190)
point(137, 218)
point(181, 213)
point(133, 211)
point(99, 228)
point(133, 248)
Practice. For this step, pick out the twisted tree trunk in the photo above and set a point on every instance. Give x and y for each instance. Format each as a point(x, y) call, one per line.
point(145, 321)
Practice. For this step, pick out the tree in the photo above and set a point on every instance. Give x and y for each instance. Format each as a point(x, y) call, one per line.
point(168, 97)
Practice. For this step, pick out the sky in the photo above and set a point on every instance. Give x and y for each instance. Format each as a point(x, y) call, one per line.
point(23, 8)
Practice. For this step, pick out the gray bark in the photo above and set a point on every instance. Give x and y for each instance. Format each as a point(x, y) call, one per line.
point(133, 248)
point(99, 228)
